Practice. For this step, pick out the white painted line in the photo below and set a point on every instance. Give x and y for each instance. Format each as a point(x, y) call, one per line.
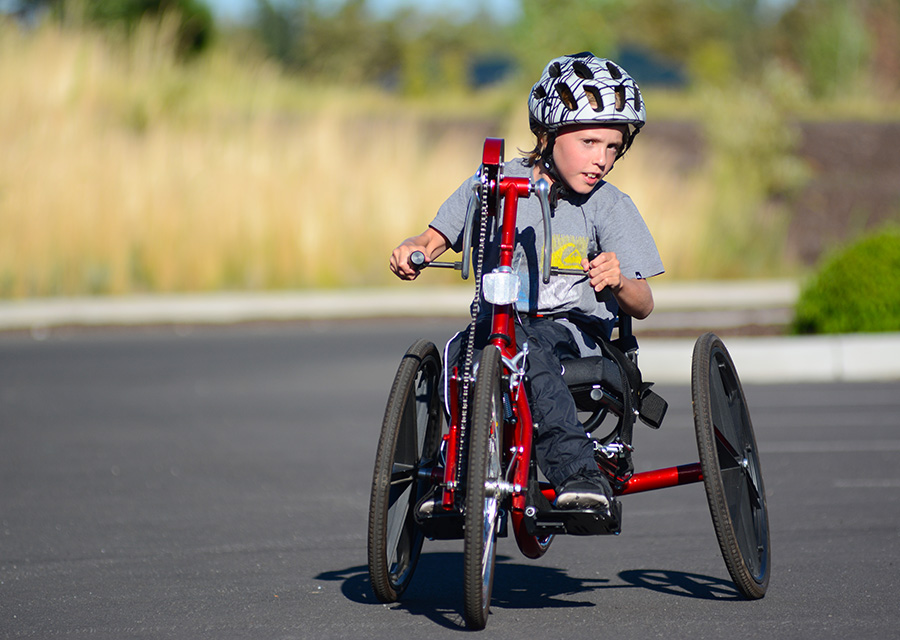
point(834, 446)
point(868, 484)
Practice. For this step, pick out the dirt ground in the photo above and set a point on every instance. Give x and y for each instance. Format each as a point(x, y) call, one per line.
point(854, 184)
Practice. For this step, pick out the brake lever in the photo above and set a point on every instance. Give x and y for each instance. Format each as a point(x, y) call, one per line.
point(542, 189)
point(474, 201)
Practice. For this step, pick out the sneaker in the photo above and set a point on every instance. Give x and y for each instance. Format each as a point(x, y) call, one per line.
point(585, 490)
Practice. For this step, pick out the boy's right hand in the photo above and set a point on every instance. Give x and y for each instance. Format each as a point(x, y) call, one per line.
point(400, 264)
point(430, 242)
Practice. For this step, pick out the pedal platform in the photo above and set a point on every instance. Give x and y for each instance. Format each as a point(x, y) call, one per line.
point(444, 525)
point(575, 522)
point(450, 525)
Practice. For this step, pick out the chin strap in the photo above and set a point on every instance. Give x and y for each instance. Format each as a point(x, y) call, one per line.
point(559, 188)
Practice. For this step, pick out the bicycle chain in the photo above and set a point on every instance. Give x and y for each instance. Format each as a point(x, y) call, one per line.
point(467, 377)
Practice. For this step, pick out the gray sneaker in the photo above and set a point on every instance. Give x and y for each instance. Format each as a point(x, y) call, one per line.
point(585, 490)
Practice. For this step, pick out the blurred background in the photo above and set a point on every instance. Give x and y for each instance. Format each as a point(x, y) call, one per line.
point(247, 145)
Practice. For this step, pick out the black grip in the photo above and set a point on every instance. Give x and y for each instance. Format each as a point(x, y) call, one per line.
point(417, 260)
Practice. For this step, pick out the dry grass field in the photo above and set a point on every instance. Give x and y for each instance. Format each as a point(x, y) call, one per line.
point(125, 171)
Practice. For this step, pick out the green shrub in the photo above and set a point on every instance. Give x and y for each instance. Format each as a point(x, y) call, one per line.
point(855, 290)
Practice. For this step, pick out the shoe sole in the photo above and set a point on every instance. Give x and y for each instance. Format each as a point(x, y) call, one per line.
point(582, 501)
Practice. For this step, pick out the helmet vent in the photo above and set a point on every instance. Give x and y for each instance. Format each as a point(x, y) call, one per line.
point(539, 92)
point(554, 71)
point(620, 97)
point(594, 98)
point(637, 99)
point(614, 71)
point(566, 95)
point(582, 70)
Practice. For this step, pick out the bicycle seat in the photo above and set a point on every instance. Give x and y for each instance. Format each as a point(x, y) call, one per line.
point(597, 383)
point(590, 371)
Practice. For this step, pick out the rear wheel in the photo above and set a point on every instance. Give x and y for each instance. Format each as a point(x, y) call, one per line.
point(730, 464)
point(407, 449)
point(483, 490)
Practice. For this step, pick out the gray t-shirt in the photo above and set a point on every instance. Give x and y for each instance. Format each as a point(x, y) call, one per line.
point(605, 220)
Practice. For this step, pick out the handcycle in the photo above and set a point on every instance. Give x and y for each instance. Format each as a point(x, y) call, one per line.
point(478, 478)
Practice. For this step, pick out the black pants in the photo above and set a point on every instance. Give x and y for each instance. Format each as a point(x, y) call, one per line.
point(561, 445)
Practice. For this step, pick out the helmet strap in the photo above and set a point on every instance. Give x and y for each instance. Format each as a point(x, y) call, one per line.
point(559, 186)
point(631, 135)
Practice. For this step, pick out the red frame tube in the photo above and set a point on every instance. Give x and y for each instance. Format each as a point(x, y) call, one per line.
point(663, 478)
point(449, 494)
point(650, 480)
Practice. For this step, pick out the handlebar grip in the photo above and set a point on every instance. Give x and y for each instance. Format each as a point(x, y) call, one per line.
point(417, 260)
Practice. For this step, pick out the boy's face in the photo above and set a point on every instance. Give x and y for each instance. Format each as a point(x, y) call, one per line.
point(584, 154)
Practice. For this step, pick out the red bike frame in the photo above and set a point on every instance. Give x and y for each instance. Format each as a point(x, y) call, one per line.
point(518, 440)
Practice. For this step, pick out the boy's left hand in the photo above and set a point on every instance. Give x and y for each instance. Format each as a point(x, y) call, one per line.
point(604, 272)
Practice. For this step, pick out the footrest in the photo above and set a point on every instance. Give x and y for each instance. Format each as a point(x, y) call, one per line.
point(445, 525)
point(653, 408)
point(450, 525)
point(575, 522)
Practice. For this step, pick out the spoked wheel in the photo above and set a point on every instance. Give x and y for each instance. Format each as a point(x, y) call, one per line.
point(482, 490)
point(408, 447)
point(730, 464)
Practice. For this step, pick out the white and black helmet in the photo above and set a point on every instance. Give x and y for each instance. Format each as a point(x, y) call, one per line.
point(584, 89)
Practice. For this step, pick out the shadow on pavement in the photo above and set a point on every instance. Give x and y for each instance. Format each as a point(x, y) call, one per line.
point(435, 591)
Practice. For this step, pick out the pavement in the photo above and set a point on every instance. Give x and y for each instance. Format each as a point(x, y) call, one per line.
point(689, 308)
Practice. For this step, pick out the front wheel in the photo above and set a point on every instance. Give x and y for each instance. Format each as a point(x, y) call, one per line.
point(407, 449)
point(730, 463)
point(483, 490)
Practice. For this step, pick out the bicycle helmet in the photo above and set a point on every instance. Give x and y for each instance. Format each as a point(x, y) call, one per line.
point(584, 89)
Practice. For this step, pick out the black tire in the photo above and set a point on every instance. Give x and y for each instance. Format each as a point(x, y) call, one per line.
point(730, 463)
point(482, 499)
point(408, 447)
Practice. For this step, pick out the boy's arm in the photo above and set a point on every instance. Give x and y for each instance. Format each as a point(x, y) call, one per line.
point(633, 294)
point(430, 242)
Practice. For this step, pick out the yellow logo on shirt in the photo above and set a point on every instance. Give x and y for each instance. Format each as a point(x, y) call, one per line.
point(568, 252)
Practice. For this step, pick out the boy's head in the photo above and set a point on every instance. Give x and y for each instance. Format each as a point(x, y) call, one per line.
point(582, 89)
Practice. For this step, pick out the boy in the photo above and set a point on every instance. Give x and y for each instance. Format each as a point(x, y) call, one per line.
point(585, 112)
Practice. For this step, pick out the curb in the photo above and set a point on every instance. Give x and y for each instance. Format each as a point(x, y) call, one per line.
point(762, 360)
point(677, 305)
point(833, 358)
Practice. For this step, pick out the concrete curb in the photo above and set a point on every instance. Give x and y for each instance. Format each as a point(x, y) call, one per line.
point(678, 302)
point(226, 308)
point(678, 305)
point(773, 360)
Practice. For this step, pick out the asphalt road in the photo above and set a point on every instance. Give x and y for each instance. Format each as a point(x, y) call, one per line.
point(214, 484)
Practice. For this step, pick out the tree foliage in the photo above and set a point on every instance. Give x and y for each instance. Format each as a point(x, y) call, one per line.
point(195, 27)
point(829, 46)
point(855, 290)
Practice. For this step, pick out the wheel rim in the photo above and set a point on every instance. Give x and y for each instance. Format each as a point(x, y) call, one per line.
point(407, 448)
point(491, 502)
point(484, 491)
point(401, 531)
point(738, 464)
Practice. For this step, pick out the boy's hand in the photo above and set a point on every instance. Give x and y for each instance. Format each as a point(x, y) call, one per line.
point(430, 242)
point(633, 295)
point(604, 272)
point(400, 261)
